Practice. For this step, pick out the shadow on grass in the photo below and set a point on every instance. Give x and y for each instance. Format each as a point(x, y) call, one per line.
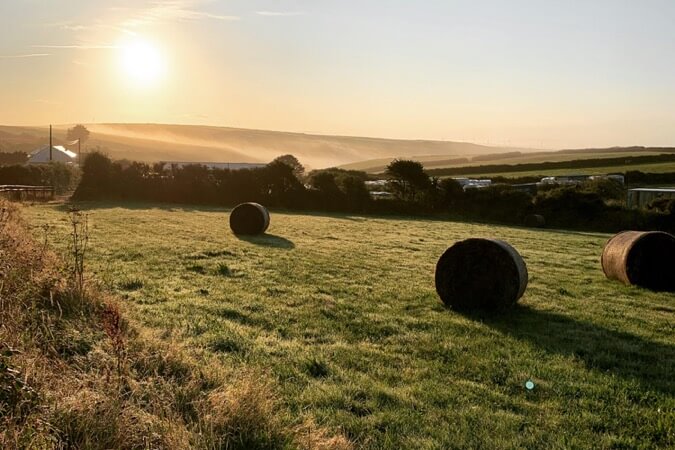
point(648, 363)
point(139, 205)
point(267, 240)
point(91, 205)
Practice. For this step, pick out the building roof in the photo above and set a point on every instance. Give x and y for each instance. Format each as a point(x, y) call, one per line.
point(653, 190)
point(212, 165)
point(59, 154)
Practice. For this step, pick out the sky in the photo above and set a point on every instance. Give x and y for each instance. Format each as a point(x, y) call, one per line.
point(528, 73)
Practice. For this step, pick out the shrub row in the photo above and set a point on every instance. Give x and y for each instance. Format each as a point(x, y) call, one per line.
point(13, 158)
point(61, 176)
point(275, 185)
point(595, 205)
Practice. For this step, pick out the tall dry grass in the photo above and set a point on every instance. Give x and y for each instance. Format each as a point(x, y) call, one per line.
point(75, 372)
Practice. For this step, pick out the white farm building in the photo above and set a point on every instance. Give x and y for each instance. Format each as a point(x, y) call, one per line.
point(641, 197)
point(166, 165)
point(59, 154)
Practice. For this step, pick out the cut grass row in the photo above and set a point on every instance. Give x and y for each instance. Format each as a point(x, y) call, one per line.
point(647, 168)
point(342, 312)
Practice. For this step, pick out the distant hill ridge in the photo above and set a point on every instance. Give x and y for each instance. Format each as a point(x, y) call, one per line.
point(162, 142)
point(155, 142)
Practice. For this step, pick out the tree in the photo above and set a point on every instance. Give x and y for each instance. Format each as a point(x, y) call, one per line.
point(355, 190)
point(408, 179)
point(325, 183)
point(330, 196)
point(292, 162)
point(78, 132)
point(451, 192)
point(280, 184)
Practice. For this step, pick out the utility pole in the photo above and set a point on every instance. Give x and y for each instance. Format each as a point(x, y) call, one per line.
point(50, 143)
point(79, 152)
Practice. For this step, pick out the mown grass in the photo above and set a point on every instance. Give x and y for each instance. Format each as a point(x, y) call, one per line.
point(75, 372)
point(651, 168)
point(546, 157)
point(342, 311)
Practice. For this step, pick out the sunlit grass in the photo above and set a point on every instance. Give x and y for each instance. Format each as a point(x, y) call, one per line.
point(342, 311)
point(650, 168)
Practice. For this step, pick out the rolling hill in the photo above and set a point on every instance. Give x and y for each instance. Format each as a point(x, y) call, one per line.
point(161, 142)
point(155, 142)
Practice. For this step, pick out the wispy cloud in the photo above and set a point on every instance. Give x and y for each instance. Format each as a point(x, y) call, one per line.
point(129, 19)
point(77, 46)
point(46, 102)
point(172, 11)
point(280, 13)
point(75, 27)
point(96, 26)
point(27, 55)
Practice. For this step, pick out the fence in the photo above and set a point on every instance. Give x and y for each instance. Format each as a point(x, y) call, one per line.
point(26, 193)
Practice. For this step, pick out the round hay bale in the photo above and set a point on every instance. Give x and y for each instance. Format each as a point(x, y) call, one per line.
point(535, 221)
point(485, 274)
point(249, 218)
point(645, 259)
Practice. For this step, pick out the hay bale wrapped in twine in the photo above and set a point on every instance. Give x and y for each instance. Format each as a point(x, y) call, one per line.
point(249, 218)
point(641, 258)
point(485, 274)
point(535, 221)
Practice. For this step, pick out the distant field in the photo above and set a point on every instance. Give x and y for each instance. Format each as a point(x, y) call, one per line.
point(655, 168)
point(437, 162)
point(342, 311)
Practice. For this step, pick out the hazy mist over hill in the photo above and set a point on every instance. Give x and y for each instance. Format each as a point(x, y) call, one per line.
point(155, 142)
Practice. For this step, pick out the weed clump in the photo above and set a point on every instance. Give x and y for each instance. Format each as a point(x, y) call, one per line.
point(224, 270)
point(316, 368)
point(197, 268)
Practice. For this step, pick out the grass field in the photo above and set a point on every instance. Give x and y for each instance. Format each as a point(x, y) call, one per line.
point(439, 161)
point(655, 168)
point(342, 311)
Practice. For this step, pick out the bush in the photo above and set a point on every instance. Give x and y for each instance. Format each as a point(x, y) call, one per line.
point(452, 193)
point(605, 188)
point(573, 207)
point(635, 177)
point(13, 158)
point(61, 176)
point(665, 205)
point(276, 185)
point(496, 203)
point(569, 206)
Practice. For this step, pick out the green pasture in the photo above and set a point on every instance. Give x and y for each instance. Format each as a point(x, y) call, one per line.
point(341, 310)
point(655, 168)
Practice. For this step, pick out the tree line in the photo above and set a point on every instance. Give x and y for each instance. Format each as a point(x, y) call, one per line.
point(8, 159)
point(61, 177)
point(595, 205)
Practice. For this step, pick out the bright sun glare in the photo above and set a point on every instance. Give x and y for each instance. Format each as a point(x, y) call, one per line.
point(142, 62)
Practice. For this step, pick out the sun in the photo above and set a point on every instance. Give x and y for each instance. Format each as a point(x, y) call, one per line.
point(142, 62)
